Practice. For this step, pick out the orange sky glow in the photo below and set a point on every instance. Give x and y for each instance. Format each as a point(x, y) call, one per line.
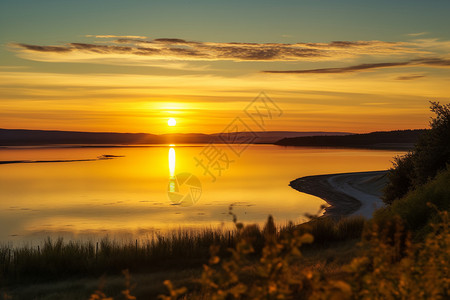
point(133, 78)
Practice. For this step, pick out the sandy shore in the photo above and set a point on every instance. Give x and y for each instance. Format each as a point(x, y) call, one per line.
point(347, 193)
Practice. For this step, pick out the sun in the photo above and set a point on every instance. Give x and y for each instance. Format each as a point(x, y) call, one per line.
point(172, 122)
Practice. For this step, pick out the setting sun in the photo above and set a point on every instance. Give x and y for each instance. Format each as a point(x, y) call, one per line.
point(172, 122)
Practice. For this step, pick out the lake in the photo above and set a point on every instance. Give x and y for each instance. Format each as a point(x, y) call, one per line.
point(159, 188)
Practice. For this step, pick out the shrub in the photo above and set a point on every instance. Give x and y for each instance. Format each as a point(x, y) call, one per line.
point(390, 267)
point(419, 207)
point(430, 155)
point(400, 178)
point(326, 230)
point(390, 270)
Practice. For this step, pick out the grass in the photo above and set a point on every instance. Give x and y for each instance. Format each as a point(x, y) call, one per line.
point(327, 231)
point(58, 266)
point(57, 259)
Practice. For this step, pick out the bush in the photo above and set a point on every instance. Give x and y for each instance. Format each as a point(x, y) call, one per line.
point(430, 155)
point(389, 267)
point(399, 177)
point(419, 207)
point(326, 230)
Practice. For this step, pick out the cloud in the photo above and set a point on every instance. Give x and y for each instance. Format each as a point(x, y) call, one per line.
point(116, 36)
point(355, 68)
point(417, 33)
point(12, 67)
point(433, 43)
point(428, 62)
point(433, 61)
point(180, 49)
point(56, 49)
point(173, 41)
point(181, 54)
point(409, 77)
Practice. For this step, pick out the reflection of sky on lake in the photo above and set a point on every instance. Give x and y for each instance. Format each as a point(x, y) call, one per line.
point(130, 194)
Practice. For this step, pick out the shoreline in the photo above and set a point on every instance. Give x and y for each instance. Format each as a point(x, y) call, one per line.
point(357, 193)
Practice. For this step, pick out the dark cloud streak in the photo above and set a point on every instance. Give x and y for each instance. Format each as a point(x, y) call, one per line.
point(57, 49)
point(343, 70)
point(433, 62)
point(410, 77)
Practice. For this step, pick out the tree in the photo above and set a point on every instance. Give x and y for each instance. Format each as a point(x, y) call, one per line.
point(430, 155)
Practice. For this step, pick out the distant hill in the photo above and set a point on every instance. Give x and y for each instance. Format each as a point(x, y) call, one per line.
point(24, 137)
point(270, 137)
point(398, 139)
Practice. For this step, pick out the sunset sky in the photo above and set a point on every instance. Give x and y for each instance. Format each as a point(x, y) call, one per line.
point(129, 66)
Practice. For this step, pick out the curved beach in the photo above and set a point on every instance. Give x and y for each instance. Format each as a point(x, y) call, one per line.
point(357, 193)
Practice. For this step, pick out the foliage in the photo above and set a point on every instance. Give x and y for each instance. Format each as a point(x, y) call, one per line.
point(270, 274)
point(327, 230)
point(415, 209)
point(390, 270)
point(126, 293)
point(400, 178)
point(430, 155)
point(389, 267)
point(244, 276)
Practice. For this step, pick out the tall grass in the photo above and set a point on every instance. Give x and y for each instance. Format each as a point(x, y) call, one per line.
point(58, 259)
point(327, 230)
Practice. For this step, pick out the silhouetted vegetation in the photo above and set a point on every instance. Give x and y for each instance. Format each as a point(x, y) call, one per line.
point(419, 207)
point(388, 267)
point(327, 231)
point(430, 155)
point(56, 259)
point(375, 140)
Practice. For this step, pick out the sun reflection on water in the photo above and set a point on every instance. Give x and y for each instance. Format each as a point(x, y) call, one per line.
point(172, 162)
point(172, 169)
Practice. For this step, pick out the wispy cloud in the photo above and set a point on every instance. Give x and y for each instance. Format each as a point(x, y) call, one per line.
point(432, 61)
point(349, 69)
point(417, 33)
point(182, 54)
point(37, 48)
point(409, 77)
point(12, 67)
point(429, 62)
point(180, 49)
point(431, 44)
point(108, 36)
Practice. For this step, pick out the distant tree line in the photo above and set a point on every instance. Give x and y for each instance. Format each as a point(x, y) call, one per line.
point(380, 139)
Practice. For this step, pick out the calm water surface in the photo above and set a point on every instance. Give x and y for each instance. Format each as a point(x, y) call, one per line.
point(128, 196)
